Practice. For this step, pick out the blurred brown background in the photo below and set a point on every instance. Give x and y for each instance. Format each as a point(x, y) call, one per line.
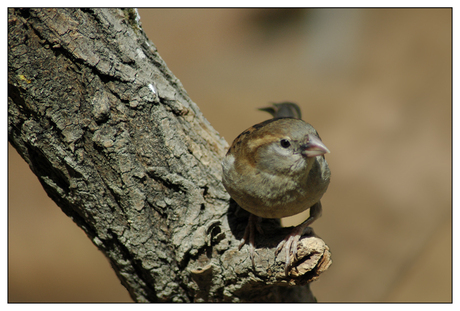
point(375, 83)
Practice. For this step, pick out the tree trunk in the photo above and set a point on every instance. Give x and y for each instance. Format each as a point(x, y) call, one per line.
point(119, 146)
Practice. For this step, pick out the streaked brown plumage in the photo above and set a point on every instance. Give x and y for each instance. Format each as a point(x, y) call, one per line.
point(277, 169)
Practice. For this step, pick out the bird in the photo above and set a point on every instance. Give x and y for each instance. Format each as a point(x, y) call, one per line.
point(276, 169)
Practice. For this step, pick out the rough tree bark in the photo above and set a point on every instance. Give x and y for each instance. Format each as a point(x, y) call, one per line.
point(119, 146)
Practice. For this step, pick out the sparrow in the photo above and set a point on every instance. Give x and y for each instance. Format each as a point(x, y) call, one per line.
point(277, 169)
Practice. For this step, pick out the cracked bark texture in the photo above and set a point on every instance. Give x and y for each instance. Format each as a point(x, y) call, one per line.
point(120, 147)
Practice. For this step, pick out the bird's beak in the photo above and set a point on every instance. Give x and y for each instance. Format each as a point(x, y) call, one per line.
point(314, 147)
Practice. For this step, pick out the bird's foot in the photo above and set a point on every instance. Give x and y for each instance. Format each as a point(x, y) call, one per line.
point(289, 244)
point(249, 235)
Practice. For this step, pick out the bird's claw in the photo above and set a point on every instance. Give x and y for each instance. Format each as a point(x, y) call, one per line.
point(289, 244)
point(249, 235)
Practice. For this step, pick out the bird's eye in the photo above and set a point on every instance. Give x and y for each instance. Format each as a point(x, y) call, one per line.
point(285, 143)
